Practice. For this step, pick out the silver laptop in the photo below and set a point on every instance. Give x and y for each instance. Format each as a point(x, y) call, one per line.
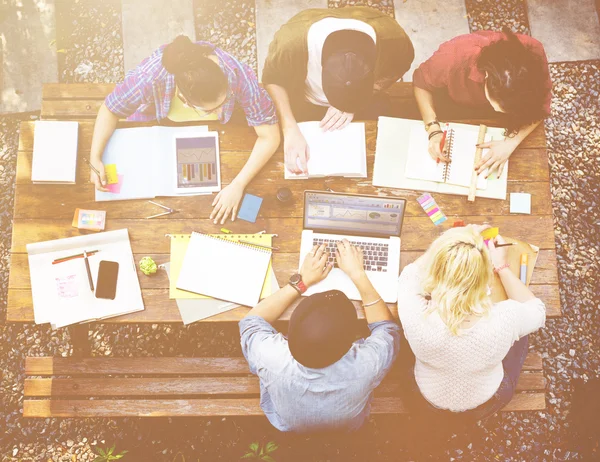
point(371, 222)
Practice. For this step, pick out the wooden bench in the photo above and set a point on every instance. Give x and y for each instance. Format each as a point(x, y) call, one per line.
point(186, 387)
point(220, 386)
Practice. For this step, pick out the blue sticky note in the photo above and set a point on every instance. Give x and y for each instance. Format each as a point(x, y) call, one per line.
point(250, 207)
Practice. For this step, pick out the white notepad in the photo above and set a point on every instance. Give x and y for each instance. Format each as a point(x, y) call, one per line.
point(334, 153)
point(54, 152)
point(460, 144)
point(223, 269)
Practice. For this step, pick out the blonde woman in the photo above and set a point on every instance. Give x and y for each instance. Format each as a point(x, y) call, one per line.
point(468, 351)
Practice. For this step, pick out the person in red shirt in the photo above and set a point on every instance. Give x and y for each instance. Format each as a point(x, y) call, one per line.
point(499, 71)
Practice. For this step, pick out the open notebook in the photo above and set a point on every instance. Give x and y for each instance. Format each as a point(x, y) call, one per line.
point(162, 161)
point(460, 145)
point(223, 269)
point(402, 160)
point(334, 153)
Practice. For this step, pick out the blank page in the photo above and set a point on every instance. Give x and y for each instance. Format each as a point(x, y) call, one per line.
point(334, 153)
point(223, 269)
point(463, 159)
point(419, 164)
point(54, 152)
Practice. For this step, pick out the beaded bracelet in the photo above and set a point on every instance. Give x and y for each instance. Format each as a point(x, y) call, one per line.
point(501, 267)
point(436, 132)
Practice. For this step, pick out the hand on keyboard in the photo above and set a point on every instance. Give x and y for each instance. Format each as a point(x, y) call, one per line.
point(315, 267)
point(350, 259)
point(375, 255)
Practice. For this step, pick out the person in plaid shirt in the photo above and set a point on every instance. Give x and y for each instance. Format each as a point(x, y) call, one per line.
point(185, 81)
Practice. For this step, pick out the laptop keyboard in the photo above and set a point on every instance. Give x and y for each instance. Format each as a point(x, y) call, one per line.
point(375, 256)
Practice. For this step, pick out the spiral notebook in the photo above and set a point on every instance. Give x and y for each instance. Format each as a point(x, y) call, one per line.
point(224, 269)
point(460, 146)
point(402, 160)
point(179, 246)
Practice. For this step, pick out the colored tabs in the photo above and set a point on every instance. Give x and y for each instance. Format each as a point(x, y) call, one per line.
point(431, 209)
point(111, 174)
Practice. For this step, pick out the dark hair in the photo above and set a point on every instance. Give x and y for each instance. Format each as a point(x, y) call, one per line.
point(199, 78)
point(515, 80)
point(322, 329)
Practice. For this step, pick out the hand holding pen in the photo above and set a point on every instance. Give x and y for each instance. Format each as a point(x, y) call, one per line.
point(97, 174)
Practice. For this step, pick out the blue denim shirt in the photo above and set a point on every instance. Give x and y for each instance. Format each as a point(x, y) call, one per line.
point(298, 398)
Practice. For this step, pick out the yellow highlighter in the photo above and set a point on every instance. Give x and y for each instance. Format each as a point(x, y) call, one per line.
point(523, 273)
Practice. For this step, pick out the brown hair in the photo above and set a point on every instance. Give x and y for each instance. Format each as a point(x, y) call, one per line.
point(515, 79)
point(199, 78)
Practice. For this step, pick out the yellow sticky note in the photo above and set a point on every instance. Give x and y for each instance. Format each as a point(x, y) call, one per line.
point(111, 174)
point(489, 233)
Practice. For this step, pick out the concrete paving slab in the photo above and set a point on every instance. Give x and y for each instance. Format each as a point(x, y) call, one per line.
point(148, 24)
point(271, 15)
point(569, 31)
point(429, 23)
point(27, 36)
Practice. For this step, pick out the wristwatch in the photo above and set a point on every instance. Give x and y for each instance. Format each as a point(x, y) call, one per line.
point(297, 283)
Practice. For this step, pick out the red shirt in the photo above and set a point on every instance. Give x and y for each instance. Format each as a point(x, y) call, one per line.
point(454, 67)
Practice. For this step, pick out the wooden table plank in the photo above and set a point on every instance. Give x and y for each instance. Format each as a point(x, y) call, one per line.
point(284, 264)
point(204, 366)
point(197, 386)
point(33, 201)
point(148, 237)
point(159, 308)
point(214, 407)
point(526, 166)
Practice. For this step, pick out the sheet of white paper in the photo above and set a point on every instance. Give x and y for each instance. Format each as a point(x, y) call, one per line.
point(420, 165)
point(192, 310)
point(54, 152)
point(145, 157)
point(61, 294)
point(334, 153)
point(520, 203)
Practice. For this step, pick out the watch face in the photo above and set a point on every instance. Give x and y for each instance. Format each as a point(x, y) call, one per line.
point(296, 278)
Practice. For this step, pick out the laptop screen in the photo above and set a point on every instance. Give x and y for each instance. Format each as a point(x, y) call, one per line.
point(353, 214)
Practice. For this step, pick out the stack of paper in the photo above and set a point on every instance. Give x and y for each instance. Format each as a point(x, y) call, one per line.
point(54, 152)
point(193, 306)
point(60, 290)
point(334, 153)
point(162, 161)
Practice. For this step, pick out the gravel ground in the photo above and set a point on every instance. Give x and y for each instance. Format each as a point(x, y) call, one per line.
point(89, 41)
point(569, 344)
point(386, 6)
point(494, 15)
point(229, 24)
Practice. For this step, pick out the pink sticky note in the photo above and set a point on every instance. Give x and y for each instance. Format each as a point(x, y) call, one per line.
point(116, 187)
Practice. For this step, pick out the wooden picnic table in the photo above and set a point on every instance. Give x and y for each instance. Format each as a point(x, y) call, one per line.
point(44, 212)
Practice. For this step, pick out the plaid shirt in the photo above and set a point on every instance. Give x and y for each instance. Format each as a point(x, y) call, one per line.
point(147, 91)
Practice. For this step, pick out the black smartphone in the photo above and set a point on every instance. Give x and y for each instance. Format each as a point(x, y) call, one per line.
point(106, 284)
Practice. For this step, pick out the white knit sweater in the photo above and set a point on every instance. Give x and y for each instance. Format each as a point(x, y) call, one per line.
point(461, 372)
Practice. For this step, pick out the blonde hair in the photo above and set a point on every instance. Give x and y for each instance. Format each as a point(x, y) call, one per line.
point(458, 271)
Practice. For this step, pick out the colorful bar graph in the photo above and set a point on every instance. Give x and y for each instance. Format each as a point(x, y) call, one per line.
point(431, 209)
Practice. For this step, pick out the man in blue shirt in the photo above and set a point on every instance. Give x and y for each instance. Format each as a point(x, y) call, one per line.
point(320, 377)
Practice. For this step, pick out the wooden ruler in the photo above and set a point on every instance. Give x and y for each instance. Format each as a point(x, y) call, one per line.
point(480, 139)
